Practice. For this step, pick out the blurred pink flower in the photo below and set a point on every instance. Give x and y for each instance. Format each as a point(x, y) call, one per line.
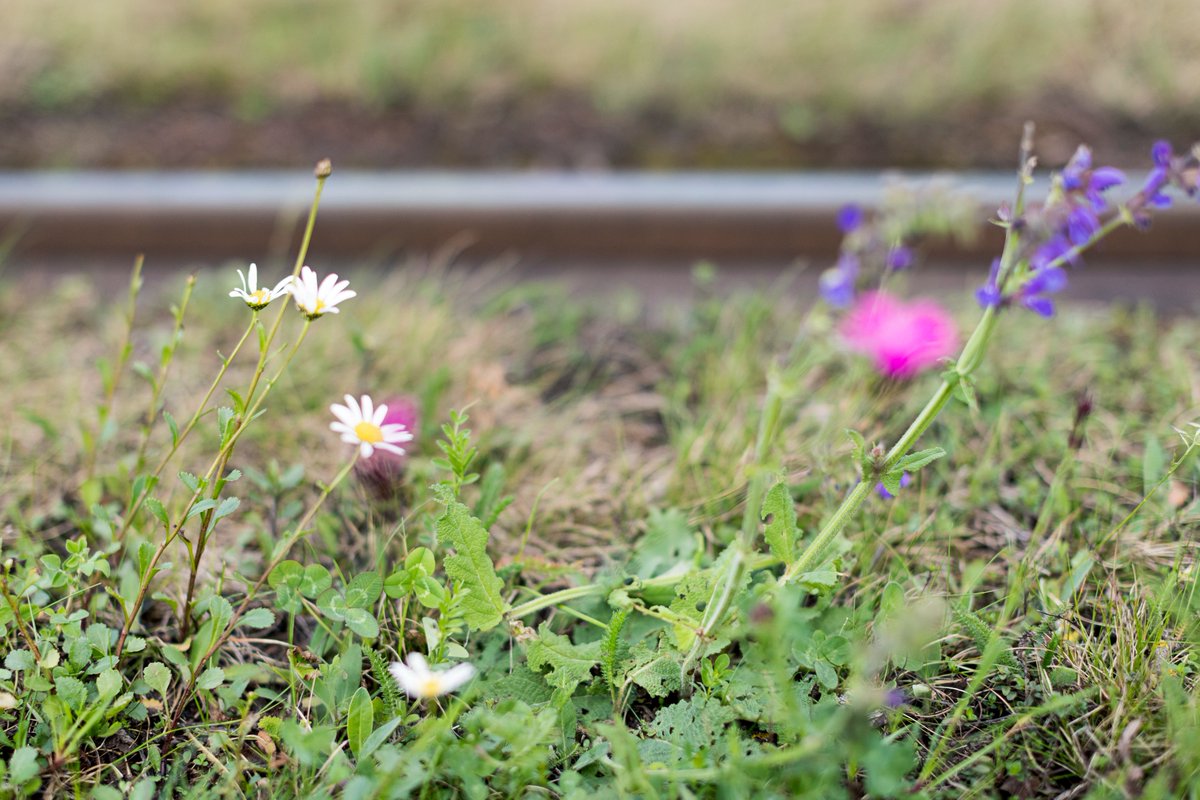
point(903, 339)
point(382, 473)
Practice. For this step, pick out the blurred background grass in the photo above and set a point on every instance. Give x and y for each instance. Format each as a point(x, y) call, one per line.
point(701, 82)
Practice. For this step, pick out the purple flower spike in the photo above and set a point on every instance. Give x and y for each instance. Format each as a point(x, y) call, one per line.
point(849, 218)
point(1161, 153)
point(1033, 293)
point(837, 283)
point(900, 257)
point(1042, 306)
point(1053, 249)
point(989, 295)
point(905, 482)
point(1082, 225)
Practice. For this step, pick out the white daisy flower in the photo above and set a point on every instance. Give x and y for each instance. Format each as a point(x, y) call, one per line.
point(363, 425)
point(315, 300)
point(420, 682)
point(255, 297)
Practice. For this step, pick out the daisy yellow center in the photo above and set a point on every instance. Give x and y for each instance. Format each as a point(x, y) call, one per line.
point(318, 306)
point(261, 296)
point(368, 432)
point(432, 687)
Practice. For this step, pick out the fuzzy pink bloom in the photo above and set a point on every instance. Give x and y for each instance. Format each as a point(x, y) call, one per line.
point(902, 339)
point(382, 472)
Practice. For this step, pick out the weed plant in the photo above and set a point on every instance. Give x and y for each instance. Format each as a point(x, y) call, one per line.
point(604, 561)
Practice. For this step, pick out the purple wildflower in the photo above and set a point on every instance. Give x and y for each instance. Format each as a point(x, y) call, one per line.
point(905, 482)
point(1055, 248)
point(1082, 225)
point(989, 295)
point(1046, 282)
point(849, 218)
point(837, 283)
point(900, 257)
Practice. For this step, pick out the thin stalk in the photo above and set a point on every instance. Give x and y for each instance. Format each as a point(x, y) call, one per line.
point(16, 612)
point(281, 552)
point(110, 392)
point(136, 505)
point(160, 380)
point(221, 458)
point(724, 592)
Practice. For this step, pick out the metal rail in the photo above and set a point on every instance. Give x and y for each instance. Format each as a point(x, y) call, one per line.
point(595, 216)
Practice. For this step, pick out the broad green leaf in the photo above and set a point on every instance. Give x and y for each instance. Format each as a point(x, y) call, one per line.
point(571, 664)
point(360, 720)
point(257, 618)
point(23, 766)
point(18, 660)
point(914, 461)
point(362, 622)
point(363, 590)
point(782, 532)
point(71, 690)
point(108, 684)
point(157, 677)
point(226, 507)
point(470, 565)
point(211, 678)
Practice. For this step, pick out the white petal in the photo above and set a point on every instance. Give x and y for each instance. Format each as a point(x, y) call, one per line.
point(368, 408)
point(380, 414)
point(366, 450)
point(456, 676)
point(252, 283)
point(342, 428)
point(418, 664)
point(344, 414)
point(355, 409)
point(391, 448)
point(410, 683)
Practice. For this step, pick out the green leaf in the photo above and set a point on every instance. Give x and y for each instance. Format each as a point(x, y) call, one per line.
point(891, 481)
point(570, 664)
point(257, 618)
point(782, 532)
point(157, 677)
point(108, 684)
point(71, 690)
point(156, 508)
point(914, 461)
point(18, 660)
point(360, 720)
point(362, 622)
point(315, 580)
point(470, 565)
point(172, 426)
point(364, 589)
point(858, 446)
point(23, 766)
point(190, 481)
point(211, 678)
point(226, 507)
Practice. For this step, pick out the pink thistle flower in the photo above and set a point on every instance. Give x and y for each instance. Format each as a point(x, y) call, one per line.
point(903, 339)
point(382, 473)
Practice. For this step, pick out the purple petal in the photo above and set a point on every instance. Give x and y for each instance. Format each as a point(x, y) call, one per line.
point(1105, 178)
point(1161, 153)
point(1082, 225)
point(900, 257)
point(849, 218)
point(1039, 305)
point(1048, 281)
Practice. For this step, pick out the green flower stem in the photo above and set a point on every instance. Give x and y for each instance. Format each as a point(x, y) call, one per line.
point(221, 458)
point(743, 548)
point(160, 380)
point(105, 409)
point(136, 505)
point(595, 589)
point(281, 551)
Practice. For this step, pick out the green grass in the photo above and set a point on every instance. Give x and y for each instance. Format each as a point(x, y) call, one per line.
point(1031, 663)
point(811, 62)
